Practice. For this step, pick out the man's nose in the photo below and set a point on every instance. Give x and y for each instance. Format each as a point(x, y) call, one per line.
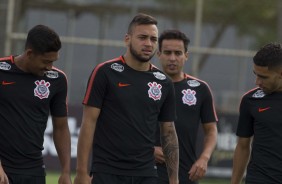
point(258, 81)
point(49, 66)
point(172, 57)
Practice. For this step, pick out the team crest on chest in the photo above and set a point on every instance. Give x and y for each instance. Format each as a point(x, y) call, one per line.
point(155, 90)
point(42, 89)
point(189, 97)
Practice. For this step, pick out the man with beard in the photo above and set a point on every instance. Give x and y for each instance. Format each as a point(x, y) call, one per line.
point(260, 122)
point(125, 99)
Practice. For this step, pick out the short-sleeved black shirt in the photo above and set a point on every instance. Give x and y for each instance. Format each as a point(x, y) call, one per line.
point(131, 102)
point(194, 105)
point(261, 117)
point(26, 101)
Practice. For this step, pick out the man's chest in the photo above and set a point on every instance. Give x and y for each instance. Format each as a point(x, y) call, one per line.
point(25, 88)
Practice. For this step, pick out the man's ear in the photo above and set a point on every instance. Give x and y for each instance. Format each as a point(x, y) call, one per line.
point(187, 55)
point(278, 70)
point(158, 53)
point(28, 52)
point(280, 73)
point(127, 39)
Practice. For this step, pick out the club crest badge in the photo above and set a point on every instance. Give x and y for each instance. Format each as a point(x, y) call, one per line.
point(42, 89)
point(155, 90)
point(189, 97)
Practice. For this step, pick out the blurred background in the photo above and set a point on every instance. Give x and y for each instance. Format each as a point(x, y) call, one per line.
point(224, 34)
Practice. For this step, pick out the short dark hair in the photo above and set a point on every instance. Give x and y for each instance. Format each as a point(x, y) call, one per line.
point(270, 55)
point(42, 39)
point(174, 34)
point(141, 19)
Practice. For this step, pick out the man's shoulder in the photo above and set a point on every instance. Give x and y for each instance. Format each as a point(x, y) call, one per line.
point(160, 75)
point(6, 59)
point(55, 73)
point(195, 82)
point(116, 64)
point(6, 63)
point(254, 93)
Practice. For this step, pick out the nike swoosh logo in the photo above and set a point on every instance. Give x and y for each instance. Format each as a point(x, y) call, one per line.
point(263, 109)
point(120, 84)
point(7, 83)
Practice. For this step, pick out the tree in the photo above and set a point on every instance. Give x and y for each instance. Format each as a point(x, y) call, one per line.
point(257, 19)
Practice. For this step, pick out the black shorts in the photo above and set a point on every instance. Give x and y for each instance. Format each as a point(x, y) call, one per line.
point(104, 178)
point(26, 179)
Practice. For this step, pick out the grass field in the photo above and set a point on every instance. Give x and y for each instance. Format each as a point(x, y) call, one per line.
point(52, 178)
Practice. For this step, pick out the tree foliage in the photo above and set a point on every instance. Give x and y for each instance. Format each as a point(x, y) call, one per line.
point(254, 18)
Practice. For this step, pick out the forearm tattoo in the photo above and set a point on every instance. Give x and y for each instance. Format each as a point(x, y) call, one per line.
point(170, 150)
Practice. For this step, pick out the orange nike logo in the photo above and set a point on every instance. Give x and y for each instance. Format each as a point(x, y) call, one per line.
point(7, 83)
point(263, 109)
point(120, 84)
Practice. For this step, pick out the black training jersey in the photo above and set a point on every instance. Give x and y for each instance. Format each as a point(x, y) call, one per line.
point(25, 102)
point(131, 102)
point(194, 104)
point(261, 117)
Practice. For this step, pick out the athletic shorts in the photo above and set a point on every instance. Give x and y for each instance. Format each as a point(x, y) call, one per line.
point(26, 179)
point(104, 178)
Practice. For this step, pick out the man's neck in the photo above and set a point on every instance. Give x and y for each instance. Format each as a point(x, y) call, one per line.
point(135, 64)
point(20, 62)
point(177, 77)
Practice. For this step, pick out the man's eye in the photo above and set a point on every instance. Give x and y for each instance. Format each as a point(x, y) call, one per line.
point(167, 53)
point(154, 39)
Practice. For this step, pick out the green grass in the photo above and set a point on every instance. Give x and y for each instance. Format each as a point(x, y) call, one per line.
point(214, 181)
point(52, 178)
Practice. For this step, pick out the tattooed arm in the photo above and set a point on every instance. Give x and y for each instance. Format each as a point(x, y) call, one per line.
point(169, 143)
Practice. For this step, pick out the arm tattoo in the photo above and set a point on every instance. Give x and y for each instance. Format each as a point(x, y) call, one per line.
point(170, 148)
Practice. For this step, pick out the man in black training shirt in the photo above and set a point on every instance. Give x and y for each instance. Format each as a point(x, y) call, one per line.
point(31, 89)
point(259, 131)
point(194, 107)
point(125, 99)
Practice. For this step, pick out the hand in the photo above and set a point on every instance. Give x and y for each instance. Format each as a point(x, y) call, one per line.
point(198, 169)
point(174, 181)
point(3, 176)
point(82, 179)
point(159, 155)
point(64, 179)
